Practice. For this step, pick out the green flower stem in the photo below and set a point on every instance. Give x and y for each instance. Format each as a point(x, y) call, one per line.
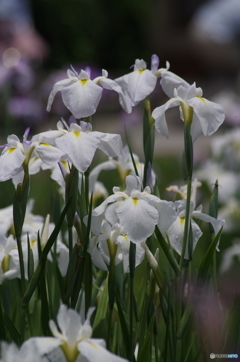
point(188, 145)
point(132, 261)
point(187, 221)
point(111, 299)
point(70, 240)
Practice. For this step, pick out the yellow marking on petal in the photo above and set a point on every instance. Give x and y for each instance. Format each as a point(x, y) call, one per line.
point(6, 263)
point(10, 150)
point(32, 242)
point(45, 144)
point(77, 134)
point(83, 81)
point(125, 236)
point(135, 200)
point(202, 99)
point(141, 70)
point(65, 164)
point(182, 220)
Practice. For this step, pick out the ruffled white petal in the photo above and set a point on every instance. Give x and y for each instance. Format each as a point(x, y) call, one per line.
point(92, 349)
point(210, 114)
point(49, 154)
point(140, 84)
point(196, 128)
point(170, 81)
point(138, 219)
point(82, 98)
point(159, 115)
point(96, 254)
point(80, 148)
point(45, 344)
point(11, 163)
point(57, 87)
point(111, 144)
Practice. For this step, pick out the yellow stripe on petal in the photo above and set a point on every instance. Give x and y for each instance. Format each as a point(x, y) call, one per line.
point(10, 150)
point(83, 81)
point(202, 99)
point(77, 134)
point(182, 220)
point(135, 200)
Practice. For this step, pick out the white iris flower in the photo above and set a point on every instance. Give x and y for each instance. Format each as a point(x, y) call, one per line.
point(74, 338)
point(207, 115)
point(81, 95)
point(135, 210)
point(138, 84)
point(80, 143)
point(172, 223)
point(111, 242)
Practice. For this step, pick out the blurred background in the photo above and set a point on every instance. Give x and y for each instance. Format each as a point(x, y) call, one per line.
point(40, 39)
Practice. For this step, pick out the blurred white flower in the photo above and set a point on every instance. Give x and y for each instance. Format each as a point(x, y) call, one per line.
point(111, 242)
point(172, 223)
point(9, 259)
point(27, 353)
point(74, 337)
point(182, 191)
point(228, 256)
point(228, 181)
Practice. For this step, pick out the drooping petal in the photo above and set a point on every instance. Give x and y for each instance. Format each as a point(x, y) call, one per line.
point(196, 128)
point(110, 144)
point(217, 224)
point(45, 344)
point(124, 100)
point(167, 215)
point(94, 351)
point(159, 115)
point(96, 254)
point(57, 87)
point(82, 98)
point(80, 148)
point(175, 234)
point(11, 163)
point(49, 154)
point(210, 114)
point(170, 81)
point(138, 218)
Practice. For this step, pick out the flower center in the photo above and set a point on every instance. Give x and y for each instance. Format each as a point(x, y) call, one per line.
point(83, 81)
point(70, 353)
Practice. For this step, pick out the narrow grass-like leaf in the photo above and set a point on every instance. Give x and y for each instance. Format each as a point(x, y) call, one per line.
point(2, 327)
point(184, 322)
point(30, 265)
point(207, 259)
point(167, 251)
point(12, 330)
point(101, 314)
point(145, 350)
point(40, 268)
point(124, 328)
point(45, 308)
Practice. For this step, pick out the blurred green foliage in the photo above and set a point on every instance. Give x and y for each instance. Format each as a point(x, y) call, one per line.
point(104, 32)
